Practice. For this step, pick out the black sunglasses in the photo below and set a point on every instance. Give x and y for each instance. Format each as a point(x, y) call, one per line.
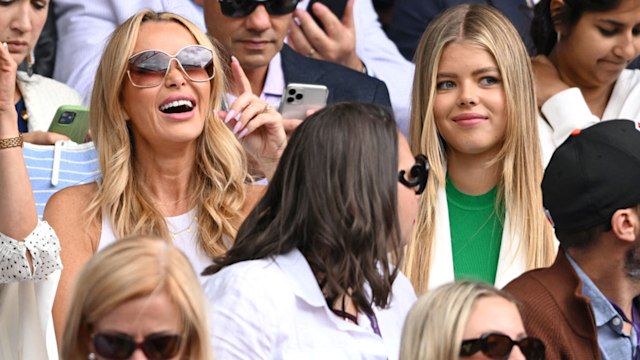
point(418, 175)
point(121, 346)
point(498, 346)
point(242, 8)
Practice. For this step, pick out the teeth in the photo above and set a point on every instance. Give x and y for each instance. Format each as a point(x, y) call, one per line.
point(176, 104)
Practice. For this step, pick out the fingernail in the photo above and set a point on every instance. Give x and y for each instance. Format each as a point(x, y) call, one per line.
point(238, 116)
point(4, 45)
point(234, 59)
point(243, 133)
point(237, 128)
point(229, 116)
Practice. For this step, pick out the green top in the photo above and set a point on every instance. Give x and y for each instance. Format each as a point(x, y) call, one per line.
point(476, 234)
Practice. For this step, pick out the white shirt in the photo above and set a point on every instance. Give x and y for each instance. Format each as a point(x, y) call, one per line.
point(568, 110)
point(274, 309)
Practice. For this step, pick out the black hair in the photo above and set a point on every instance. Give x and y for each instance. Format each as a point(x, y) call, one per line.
point(334, 198)
point(543, 24)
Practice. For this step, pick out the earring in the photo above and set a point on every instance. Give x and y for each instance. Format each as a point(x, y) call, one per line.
point(558, 37)
point(31, 59)
point(91, 356)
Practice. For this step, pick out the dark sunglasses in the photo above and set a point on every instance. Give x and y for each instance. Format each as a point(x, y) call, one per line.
point(242, 8)
point(121, 346)
point(148, 68)
point(498, 346)
point(417, 176)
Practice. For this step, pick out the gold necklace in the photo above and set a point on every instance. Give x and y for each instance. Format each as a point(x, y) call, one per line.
point(174, 234)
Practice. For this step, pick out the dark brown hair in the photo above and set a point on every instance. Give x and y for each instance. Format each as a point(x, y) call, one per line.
point(334, 198)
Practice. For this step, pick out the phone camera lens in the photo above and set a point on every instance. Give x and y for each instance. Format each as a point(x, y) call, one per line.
point(292, 91)
point(67, 118)
point(289, 99)
point(299, 96)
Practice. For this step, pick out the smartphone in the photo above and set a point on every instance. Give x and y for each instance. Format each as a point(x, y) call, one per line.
point(297, 99)
point(336, 7)
point(72, 121)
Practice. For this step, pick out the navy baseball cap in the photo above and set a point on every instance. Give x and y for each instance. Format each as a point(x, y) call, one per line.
point(595, 172)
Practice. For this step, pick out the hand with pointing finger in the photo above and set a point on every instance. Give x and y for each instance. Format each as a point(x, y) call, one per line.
point(255, 123)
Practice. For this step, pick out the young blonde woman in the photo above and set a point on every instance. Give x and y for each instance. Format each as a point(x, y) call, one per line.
point(138, 296)
point(474, 116)
point(171, 165)
point(467, 320)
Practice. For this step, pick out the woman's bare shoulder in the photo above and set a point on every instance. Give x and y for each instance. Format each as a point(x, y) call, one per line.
point(71, 200)
point(254, 194)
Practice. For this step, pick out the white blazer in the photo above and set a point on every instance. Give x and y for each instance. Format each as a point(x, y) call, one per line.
point(511, 263)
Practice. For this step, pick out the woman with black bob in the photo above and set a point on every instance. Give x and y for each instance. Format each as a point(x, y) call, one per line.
point(314, 269)
point(584, 47)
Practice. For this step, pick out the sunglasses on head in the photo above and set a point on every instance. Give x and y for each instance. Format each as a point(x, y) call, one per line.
point(149, 68)
point(417, 176)
point(498, 346)
point(121, 346)
point(242, 8)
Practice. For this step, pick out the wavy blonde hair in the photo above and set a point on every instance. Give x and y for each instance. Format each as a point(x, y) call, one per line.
point(519, 184)
point(435, 324)
point(130, 269)
point(220, 174)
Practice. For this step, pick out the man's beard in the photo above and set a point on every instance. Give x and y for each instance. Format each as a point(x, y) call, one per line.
point(632, 260)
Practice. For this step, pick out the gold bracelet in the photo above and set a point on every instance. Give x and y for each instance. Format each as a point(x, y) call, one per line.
point(11, 142)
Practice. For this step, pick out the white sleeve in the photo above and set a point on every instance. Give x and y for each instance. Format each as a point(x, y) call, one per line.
point(242, 322)
point(383, 61)
point(565, 112)
point(44, 246)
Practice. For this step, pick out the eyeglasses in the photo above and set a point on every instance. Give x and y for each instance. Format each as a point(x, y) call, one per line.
point(149, 68)
point(242, 8)
point(418, 175)
point(498, 346)
point(121, 346)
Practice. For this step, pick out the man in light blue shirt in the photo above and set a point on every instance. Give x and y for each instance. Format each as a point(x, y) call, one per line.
point(585, 306)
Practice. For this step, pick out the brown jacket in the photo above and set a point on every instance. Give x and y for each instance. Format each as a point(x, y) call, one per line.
point(554, 310)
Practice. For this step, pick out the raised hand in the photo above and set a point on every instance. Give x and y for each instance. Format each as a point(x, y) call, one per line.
point(8, 115)
point(258, 126)
point(336, 43)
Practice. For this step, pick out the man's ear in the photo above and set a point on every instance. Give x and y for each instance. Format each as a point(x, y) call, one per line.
point(625, 224)
point(556, 8)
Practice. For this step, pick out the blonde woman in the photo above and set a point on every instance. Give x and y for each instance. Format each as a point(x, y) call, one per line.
point(474, 116)
point(138, 291)
point(466, 320)
point(171, 165)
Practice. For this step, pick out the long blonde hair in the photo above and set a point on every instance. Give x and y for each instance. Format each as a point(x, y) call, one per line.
point(220, 170)
point(435, 324)
point(130, 269)
point(519, 184)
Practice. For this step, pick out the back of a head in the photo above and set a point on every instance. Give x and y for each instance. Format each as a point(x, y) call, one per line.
point(434, 326)
point(333, 197)
point(595, 172)
point(129, 269)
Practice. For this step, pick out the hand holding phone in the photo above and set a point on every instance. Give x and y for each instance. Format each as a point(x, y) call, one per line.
point(72, 121)
point(298, 99)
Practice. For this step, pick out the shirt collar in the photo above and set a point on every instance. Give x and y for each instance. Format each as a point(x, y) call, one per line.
point(303, 282)
point(602, 309)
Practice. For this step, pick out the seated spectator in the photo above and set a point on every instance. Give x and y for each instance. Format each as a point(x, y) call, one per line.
point(584, 47)
point(138, 296)
point(411, 17)
point(313, 272)
point(84, 27)
point(256, 38)
point(170, 165)
point(467, 320)
point(36, 100)
point(585, 306)
point(475, 118)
